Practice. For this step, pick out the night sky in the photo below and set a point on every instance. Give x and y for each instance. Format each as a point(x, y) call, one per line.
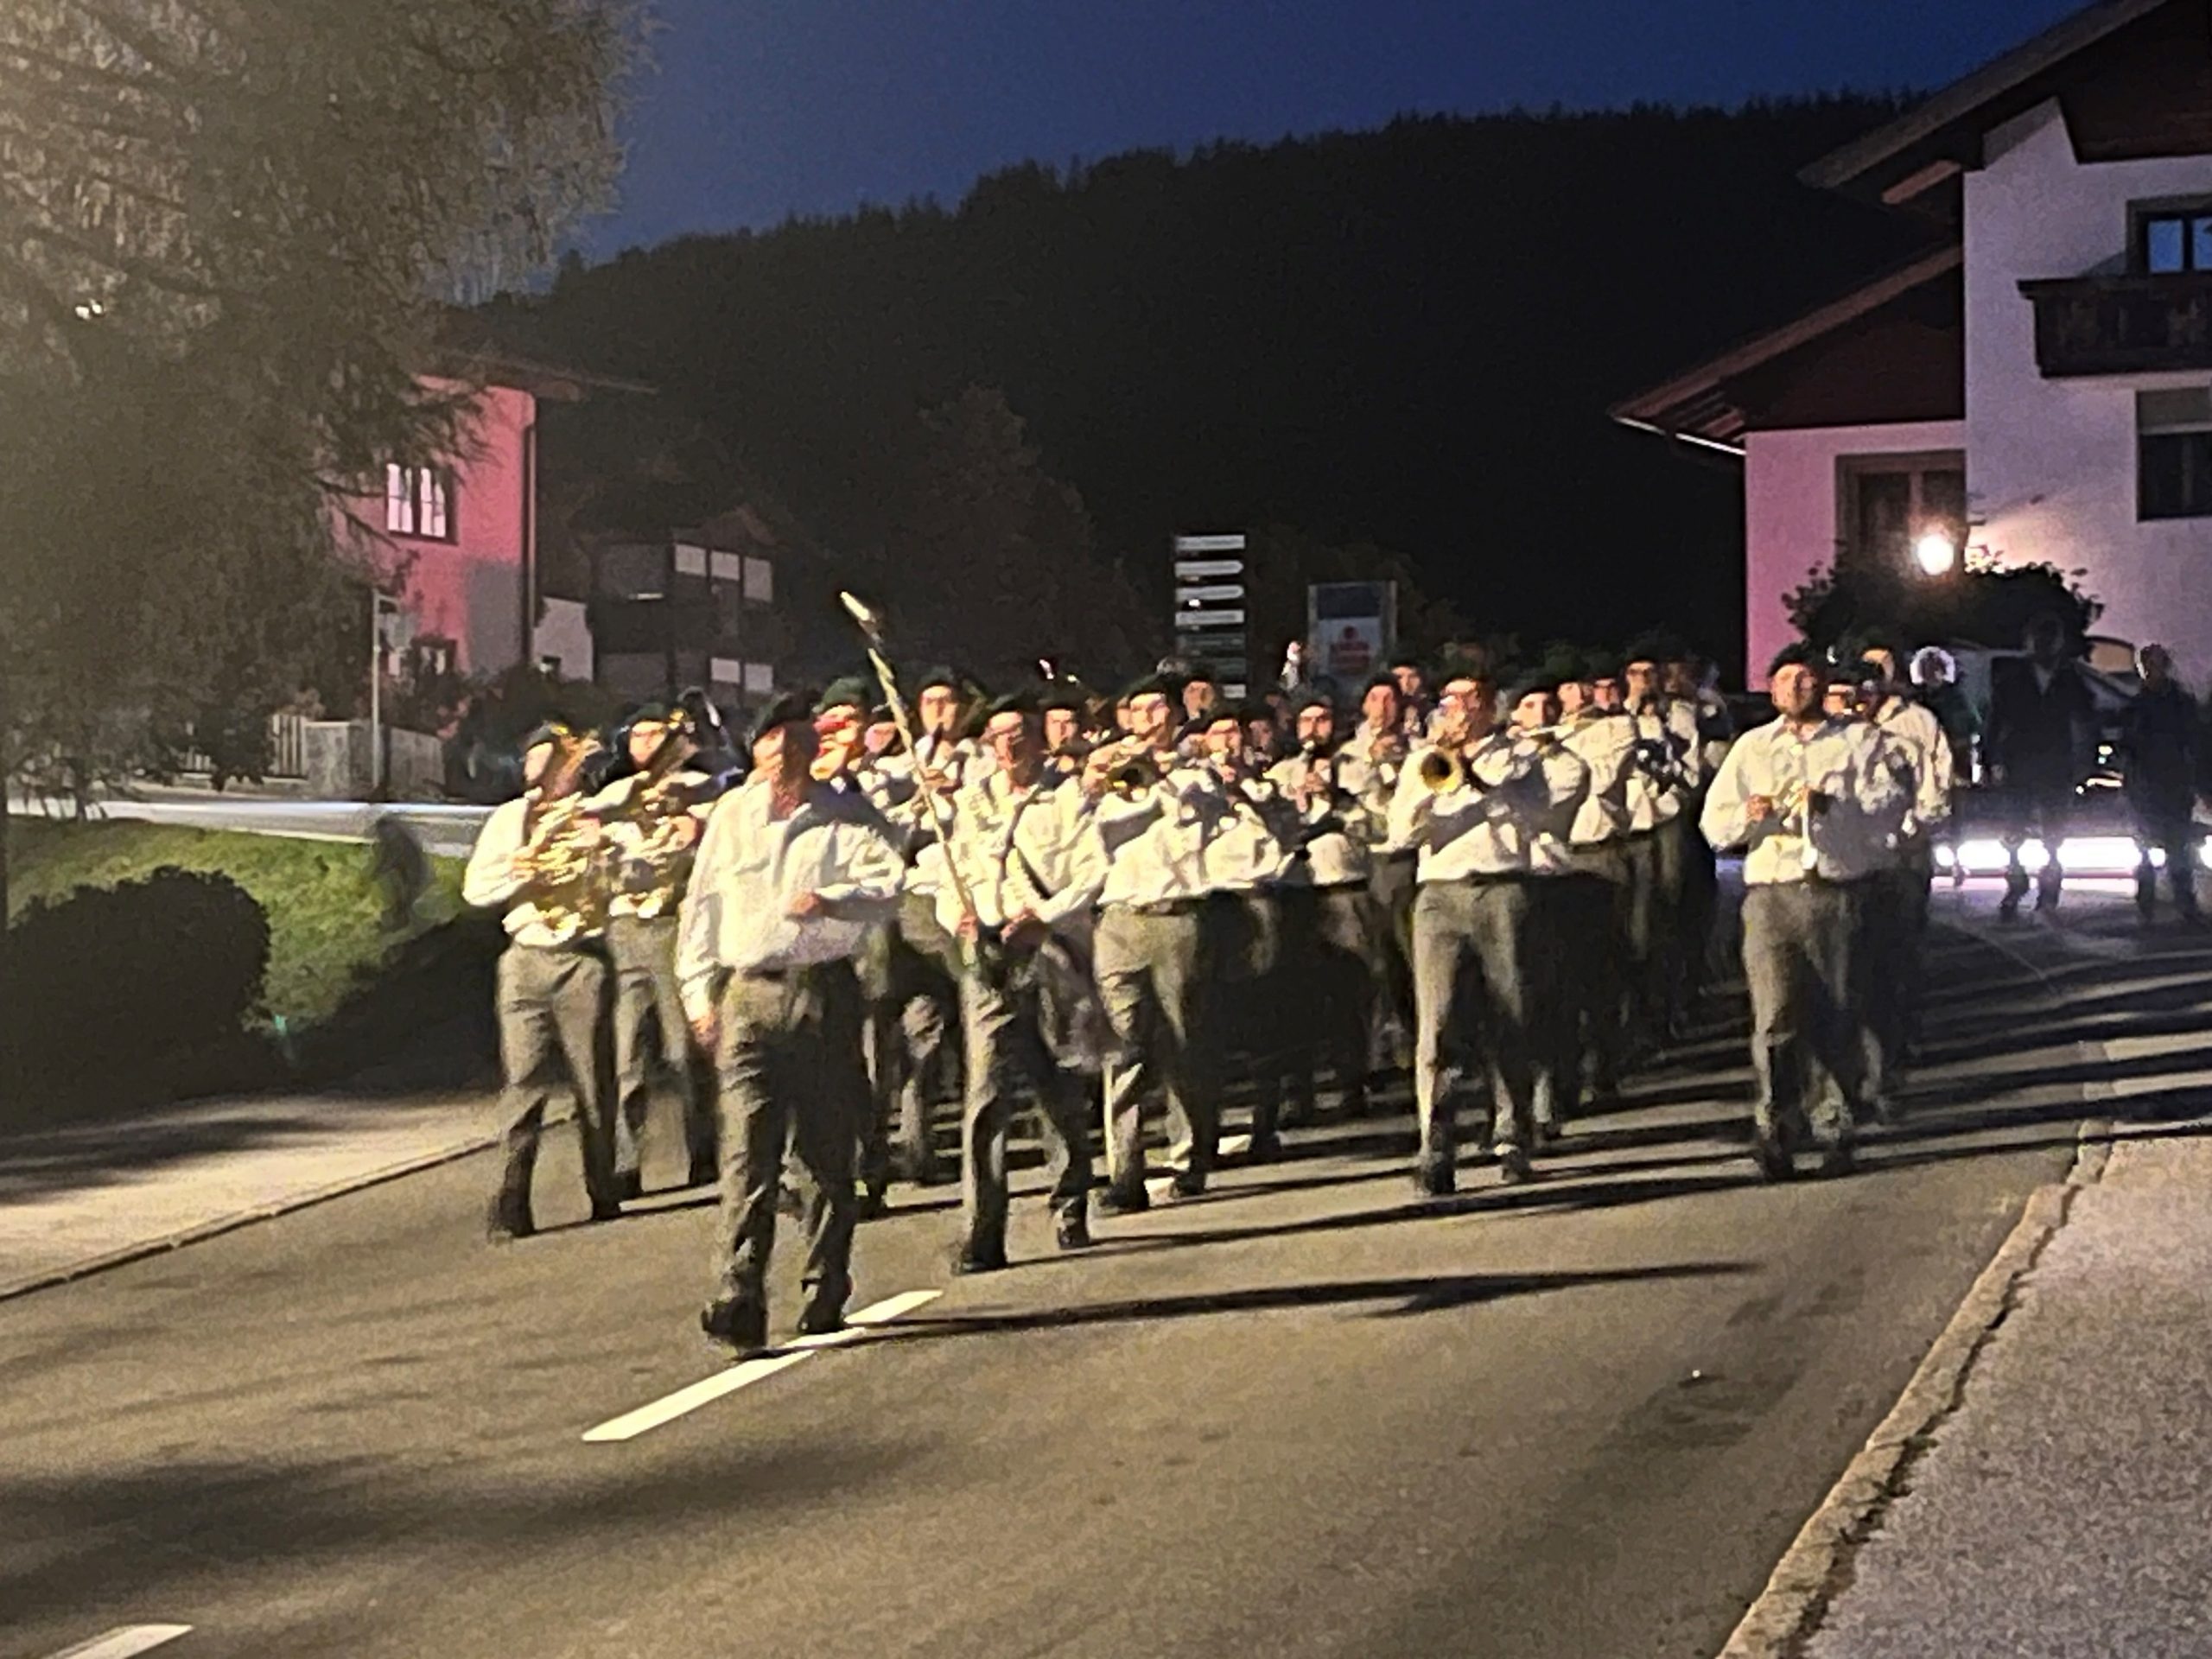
point(758, 109)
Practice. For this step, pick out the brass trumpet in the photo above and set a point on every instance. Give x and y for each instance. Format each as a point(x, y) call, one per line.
point(1133, 775)
point(1440, 771)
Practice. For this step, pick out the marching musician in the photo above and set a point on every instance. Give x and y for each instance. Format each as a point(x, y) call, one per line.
point(791, 878)
point(652, 817)
point(1032, 866)
point(536, 858)
point(913, 974)
point(1667, 777)
point(1157, 946)
point(1331, 933)
point(1900, 932)
point(1473, 803)
point(1554, 1059)
point(1814, 800)
point(1368, 768)
point(1598, 890)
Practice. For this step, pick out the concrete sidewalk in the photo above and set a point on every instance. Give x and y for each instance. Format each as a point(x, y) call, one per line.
point(76, 1199)
point(2066, 1506)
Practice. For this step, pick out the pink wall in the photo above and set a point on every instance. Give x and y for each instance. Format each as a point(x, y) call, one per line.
point(469, 589)
point(1791, 523)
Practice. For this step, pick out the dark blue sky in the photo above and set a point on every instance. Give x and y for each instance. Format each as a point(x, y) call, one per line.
point(761, 108)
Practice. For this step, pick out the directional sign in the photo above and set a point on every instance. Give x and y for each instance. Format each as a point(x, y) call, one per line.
point(1215, 647)
point(1209, 544)
point(1192, 598)
point(1207, 569)
point(1186, 620)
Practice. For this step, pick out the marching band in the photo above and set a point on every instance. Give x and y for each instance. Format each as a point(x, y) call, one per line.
point(1094, 907)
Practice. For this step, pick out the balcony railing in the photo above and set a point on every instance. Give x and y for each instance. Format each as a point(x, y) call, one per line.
point(2122, 325)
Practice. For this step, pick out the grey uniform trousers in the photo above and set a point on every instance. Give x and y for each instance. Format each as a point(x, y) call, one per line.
point(1471, 977)
point(1003, 1029)
point(1334, 956)
point(1153, 967)
point(649, 1024)
point(910, 972)
point(1892, 931)
point(1800, 942)
point(1593, 1055)
point(1647, 926)
point(790, 1074)
point(552, 1037)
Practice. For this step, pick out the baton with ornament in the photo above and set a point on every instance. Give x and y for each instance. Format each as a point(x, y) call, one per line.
point(983, 950)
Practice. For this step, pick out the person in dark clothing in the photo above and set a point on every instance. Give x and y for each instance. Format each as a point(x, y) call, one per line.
point(2042, 725)
point(2159, 738)
point(1936, 681)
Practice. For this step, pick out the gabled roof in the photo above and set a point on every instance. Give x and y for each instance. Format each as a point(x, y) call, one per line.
point(1698, 406)
point(1991, 94)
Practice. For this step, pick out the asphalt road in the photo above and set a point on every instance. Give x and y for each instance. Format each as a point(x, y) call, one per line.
point(1305, 1414)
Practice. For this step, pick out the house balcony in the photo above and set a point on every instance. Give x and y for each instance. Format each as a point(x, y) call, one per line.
point(2122, 325)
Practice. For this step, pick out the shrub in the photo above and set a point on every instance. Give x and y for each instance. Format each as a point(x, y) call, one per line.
point(127, 993)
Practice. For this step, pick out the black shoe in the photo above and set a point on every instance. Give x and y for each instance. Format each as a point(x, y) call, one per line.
point(1838, 1160)
point(1184, 1185)
point(1434, 1178)
point(1513, 1167)
point(629, 1188)
point(788, 1202)
point(1547, 1132)
point(1772, 1158)
point(1265, 1149)
point(967, 1260)
point(871, 1205)
point(1073, 1233)
point(507, 1221)
point(703, 1172)
point(1123, 1201)
point(1354, 1104)
point(740, 1326)
point(2008, 908)
point(606, 1210)
point(820, 1319)
point(2046, 902)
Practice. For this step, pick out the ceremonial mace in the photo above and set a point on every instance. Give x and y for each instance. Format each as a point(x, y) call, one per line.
point(981, 951)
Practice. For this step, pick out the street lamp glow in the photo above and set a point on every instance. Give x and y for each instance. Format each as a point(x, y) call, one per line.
point(1936, 552)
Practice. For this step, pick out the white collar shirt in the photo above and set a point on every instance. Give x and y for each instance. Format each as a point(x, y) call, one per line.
point(1336, 855)
point(1488, 824)
point(752, 867)
point(533, 916)
point(1606, 744)
point(1183, 837)
point(1915, 729)
point(1848, 763)
point(1034, 849)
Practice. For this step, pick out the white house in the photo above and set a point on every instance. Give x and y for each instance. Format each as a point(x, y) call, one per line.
point(2038, 387)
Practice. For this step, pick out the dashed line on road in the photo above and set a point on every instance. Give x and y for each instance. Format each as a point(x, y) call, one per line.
point(707, 1390)
point(124, 1641)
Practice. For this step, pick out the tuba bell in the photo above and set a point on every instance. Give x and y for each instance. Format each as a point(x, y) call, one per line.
point(1132, 774)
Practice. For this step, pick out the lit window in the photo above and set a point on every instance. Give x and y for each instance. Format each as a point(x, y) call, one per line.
point(760, 581)
point(418, 501)
point(760, 678)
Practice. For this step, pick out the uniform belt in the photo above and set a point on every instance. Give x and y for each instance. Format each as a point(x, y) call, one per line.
point(1190, 906)
point(1478, 879)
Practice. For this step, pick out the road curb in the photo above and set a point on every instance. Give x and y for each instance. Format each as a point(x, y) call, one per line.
point(1816, 1568)
point(138, 1252)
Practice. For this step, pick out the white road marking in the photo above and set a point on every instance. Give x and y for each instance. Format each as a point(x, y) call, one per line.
point(122, 1643)
point(708, 1389)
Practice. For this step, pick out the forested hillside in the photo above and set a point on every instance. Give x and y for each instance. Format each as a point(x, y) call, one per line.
point(1406, 338)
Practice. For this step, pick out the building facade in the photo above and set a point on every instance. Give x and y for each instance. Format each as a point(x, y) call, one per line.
point(699, 609)
point(2038, 387)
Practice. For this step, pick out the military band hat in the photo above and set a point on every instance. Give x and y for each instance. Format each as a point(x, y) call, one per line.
point(649, 714)
point(1313, 696)
point(1601, 665)
point(1154, 685)
point(851, 691)
point(941, 674)
point(546, 731)
point(1559, 664)
point(1528, 681)
point(1065, 694)
point(790, 708)
point(1657, 645)
point(1025, 704)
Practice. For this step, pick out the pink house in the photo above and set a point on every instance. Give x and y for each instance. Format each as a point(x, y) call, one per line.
point(2038, 386)
point(456, 538)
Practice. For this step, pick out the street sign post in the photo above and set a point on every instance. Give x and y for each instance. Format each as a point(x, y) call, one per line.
point(1210, 611)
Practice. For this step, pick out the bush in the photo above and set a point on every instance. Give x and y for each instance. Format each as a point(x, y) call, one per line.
point(129, 994)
